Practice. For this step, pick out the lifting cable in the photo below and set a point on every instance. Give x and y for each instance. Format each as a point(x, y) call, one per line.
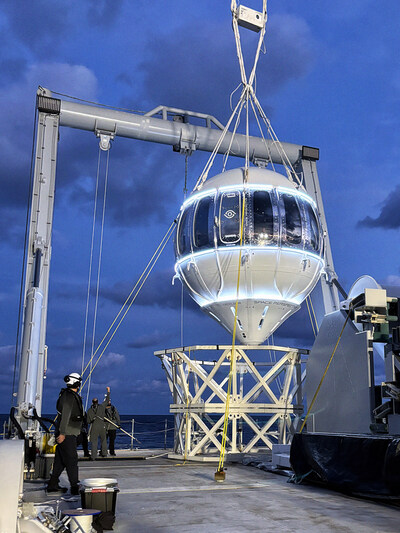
point(325, 372)
point(98, 269)
point(90, 262)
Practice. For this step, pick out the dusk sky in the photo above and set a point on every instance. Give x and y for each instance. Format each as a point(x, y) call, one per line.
point(330, 78)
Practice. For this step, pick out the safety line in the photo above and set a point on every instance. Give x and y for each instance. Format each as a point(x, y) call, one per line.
point(313, 312)
point(310, 317)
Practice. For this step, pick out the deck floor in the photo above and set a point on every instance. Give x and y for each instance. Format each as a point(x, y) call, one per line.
point(165, 496)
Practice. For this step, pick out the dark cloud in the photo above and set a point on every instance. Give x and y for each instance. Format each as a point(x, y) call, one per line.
point(389, 217)
point(125, 79)
point(103, 12)
point(39, 25)
point(158, 290)
point(43, 26)
point(153, 339)
point(198, 70)
point(11, 68)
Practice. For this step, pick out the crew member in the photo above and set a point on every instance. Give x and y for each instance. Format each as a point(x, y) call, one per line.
point(112, 421)
point(70, 415)
point(95, 417)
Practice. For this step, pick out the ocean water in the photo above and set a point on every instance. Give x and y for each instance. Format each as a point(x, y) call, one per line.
point(156, 431)
point(152, 431)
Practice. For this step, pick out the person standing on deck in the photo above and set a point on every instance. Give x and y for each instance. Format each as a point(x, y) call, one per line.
point(95, 417)
point(112, 420)
point(69, 423)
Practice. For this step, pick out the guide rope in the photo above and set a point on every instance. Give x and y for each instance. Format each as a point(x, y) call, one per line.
point(128, 302)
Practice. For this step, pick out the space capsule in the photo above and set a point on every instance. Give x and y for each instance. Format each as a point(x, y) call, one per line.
point(281, 253)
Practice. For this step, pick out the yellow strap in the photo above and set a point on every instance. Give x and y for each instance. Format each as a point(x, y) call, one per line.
point(311, 319)
point(226, 418)
point(324, 374)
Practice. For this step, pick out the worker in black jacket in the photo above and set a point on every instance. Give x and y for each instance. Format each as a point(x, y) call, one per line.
point(69, 422)
point(95, 417)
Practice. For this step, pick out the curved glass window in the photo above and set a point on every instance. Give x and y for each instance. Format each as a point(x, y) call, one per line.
point(263, 218)
point(184, 232)
point(203, 223)
point(292, 219)
point(313, 227)
point(229, 217)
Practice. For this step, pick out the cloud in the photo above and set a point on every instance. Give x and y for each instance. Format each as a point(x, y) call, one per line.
point(39, 25)
point(112, 359)
point(103, 12)
point(142, 386)
point(137, 191)
point(199, 70)
point(389, 216)
point(158, 290)
point(43, 26)
point(151, 339)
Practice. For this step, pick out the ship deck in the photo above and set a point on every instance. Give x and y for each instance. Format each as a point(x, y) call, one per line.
point(164, 495)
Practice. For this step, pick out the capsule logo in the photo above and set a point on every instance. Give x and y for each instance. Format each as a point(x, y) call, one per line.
point(230, 213)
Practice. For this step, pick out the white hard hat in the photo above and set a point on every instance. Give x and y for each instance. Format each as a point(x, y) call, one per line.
point(72, 380)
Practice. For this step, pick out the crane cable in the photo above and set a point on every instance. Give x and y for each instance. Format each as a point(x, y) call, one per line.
point(90, 262)
point(98, 269)
point(128, 304)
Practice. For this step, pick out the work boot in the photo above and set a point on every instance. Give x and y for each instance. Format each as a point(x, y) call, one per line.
point(55, 488)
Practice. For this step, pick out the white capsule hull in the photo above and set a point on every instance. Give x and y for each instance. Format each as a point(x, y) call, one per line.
point(273, 282)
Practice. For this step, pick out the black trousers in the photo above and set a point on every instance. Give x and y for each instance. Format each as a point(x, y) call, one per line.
point(111, 434)
point(83, 441)
point(66, 457)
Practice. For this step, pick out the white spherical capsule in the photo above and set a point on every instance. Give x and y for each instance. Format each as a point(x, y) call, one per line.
point(279, 248)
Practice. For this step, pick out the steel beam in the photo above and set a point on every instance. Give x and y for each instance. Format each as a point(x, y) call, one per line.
point(164, 131)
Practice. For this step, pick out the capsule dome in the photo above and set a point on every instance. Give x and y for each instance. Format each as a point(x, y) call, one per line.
point(281, 250)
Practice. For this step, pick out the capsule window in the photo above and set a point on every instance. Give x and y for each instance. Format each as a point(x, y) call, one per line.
point(184, 232)
point(263, 232)
point(229, 217)
point(292, 218)
point(203, 223)
point(313, 227)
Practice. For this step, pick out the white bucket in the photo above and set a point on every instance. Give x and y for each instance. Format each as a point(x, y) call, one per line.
point(81, 524)
point(80, 520)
